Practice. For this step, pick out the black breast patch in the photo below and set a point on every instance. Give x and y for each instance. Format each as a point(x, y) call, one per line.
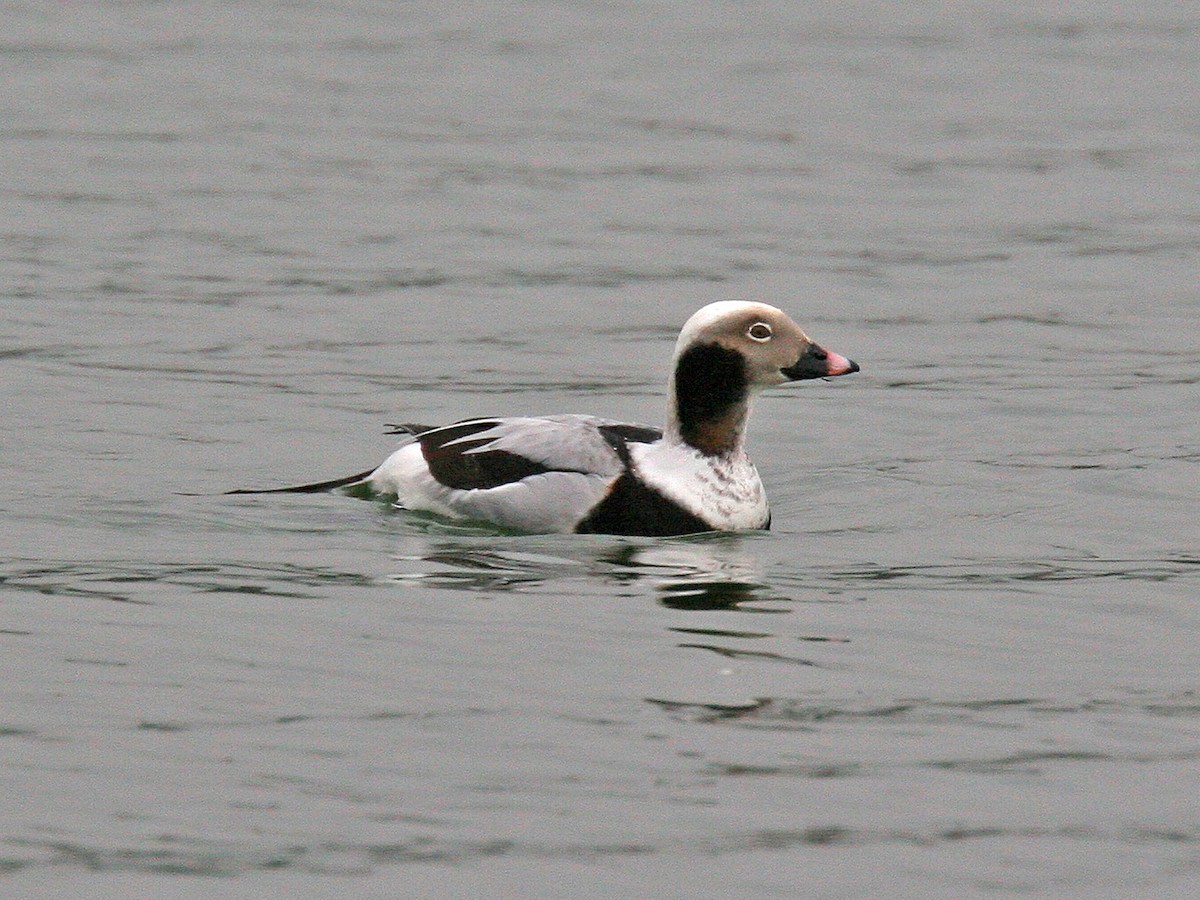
point(635, 508)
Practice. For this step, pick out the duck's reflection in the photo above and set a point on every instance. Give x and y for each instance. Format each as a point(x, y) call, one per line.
point(705, 593)
point(702, 574)
point(694, 574)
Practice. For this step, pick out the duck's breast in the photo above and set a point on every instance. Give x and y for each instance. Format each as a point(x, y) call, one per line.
point(724, 491)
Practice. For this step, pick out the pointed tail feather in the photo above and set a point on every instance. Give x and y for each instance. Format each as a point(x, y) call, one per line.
point(407, 428)
point(314, 488)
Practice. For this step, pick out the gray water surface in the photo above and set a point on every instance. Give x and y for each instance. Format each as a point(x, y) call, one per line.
point(238, 240)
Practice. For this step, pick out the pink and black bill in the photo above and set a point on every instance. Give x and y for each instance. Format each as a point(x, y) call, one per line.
point(818, 362)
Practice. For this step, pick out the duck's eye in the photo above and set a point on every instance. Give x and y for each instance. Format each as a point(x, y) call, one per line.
point(759, 331)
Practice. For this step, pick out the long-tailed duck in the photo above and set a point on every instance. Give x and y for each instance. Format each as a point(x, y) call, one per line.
point(575, 473)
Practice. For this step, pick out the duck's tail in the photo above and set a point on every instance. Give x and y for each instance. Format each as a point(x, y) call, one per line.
point(315, 488)
point(411, 428)
point(350, 481)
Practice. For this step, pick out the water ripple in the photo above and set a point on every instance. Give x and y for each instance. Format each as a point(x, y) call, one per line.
point(185, 855)
point(109, 580)
point(1009, 713)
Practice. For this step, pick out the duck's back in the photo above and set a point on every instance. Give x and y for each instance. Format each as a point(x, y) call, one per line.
point(538, 474)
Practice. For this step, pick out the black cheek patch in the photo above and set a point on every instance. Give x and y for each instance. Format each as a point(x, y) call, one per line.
point(709, 380)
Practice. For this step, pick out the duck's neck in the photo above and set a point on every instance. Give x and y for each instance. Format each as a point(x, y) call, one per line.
point(708, 400)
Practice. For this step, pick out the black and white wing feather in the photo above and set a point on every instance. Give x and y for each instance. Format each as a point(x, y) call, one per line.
point(529, 473)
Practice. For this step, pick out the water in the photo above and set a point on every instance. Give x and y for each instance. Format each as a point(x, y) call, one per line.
point(237, 241)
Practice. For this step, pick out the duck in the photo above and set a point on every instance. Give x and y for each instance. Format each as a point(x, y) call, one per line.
point(584, 474)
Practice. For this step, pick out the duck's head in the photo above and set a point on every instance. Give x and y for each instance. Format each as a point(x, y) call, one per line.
point(730, 350)
point(773, 347)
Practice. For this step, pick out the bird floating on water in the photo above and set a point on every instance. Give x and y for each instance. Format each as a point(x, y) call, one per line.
point(578, 473)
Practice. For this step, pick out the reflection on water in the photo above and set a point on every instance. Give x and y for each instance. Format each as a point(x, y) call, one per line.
point(723, 572)
point(703, 593)
point(801, 726)
point(688, 575)
point(709, 573)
